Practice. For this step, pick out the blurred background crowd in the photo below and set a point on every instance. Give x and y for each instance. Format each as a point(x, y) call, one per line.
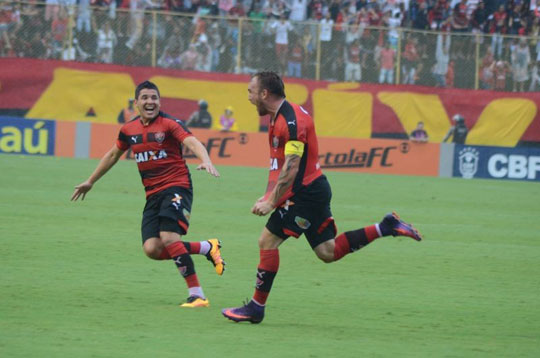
point(445, 43)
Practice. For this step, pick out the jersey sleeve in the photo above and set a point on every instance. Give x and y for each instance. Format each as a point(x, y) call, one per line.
point(179, 130)
point(122, 142)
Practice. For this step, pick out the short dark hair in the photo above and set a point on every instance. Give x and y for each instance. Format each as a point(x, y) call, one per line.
point(147, 85)
point(270, 81)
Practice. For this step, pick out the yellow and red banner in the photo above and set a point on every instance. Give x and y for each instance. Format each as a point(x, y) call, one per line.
point(71, 91)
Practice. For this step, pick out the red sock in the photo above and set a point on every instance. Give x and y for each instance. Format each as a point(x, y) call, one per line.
point(177, 248)
point(193, 248)
point(192, 281)
point(371, 233)
point(341, 247)
point(352, 241)
point(164, 255)
point(266, 272)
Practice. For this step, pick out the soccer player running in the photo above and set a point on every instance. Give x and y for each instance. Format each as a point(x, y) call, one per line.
point(156, 140)
point(299, 195)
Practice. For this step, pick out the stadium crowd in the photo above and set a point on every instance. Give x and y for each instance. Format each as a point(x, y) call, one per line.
point(359, 40)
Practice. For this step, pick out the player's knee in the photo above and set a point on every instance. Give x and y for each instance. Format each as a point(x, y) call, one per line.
point(152, 249)
point(325, 256)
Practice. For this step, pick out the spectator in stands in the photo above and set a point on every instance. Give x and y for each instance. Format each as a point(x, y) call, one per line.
point(486, 70)
point(189, 58)
point(171, 58)
point(51, 10)
point(535, 77)
point(439, 14)
point(227, 120)
point(59, 31)
point(8, 19)
point(215, 43)
point(84, 16)
point(106, 41)
point(458, 131)
point(281, 30)
point(521, 58)
point(442, 55)
point(298, 10)
point(204, 63)
point(353, 32)
point(419, 134)
point(498, 28)
point(224, 7)
point(73, 52)
point(327, 50)
point(421, 21)
point(136, 11)
point(460, 21)
point(500, 69)
point(354, 59)
point(515, 25)
point(386, 64)
point(409, 60)
point(296, 58)
point(479, 19)
point(200, 118)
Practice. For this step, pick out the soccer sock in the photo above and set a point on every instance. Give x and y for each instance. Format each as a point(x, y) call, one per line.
point(266, 272)
point(352, 241)
point(164, 255)
point(197, 248)
point(185, 265)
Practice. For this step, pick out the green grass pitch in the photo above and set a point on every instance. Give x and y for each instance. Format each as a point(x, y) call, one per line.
point(74, 281)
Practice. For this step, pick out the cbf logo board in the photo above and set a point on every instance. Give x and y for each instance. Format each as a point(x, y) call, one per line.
point(496, 163)
point(27, 136)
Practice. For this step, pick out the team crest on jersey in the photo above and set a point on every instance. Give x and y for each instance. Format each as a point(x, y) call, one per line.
point(176, 201)
point(160, 137)
point(275, 142)
point(302, 223)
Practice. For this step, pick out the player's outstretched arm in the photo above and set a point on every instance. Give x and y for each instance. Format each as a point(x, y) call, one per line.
point(106, 163)
point(200, 151)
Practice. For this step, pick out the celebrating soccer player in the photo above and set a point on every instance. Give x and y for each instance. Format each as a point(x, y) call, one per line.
point(156, 140)
point(298, 194)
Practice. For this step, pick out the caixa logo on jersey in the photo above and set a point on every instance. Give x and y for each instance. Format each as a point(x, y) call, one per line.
point(468, 162)
point(150, 155)
point(27, 136)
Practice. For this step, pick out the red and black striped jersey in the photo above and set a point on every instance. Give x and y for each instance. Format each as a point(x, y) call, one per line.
point(293, 123)
point(157, 149)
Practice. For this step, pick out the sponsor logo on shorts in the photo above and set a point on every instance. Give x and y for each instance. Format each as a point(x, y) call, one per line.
point(177, 201)
point(302, 223)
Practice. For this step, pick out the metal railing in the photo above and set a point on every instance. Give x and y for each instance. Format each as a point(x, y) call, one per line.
point(245, 45)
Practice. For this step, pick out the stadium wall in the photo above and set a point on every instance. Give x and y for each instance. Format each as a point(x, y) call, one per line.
point(72, 91)
point(382, 156)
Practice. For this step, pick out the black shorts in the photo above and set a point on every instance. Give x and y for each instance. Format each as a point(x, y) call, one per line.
point(168, 210)
point(306, 212)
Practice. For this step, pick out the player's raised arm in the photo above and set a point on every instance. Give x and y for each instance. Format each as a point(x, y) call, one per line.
point(106, 163)
point(200, 151)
